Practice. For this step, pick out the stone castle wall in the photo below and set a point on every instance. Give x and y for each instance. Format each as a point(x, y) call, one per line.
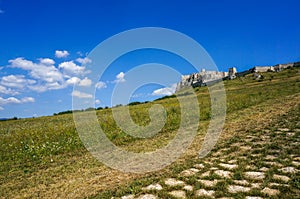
point(204, 78)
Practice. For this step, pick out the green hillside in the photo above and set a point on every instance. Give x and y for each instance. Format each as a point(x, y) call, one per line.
point(45, 158)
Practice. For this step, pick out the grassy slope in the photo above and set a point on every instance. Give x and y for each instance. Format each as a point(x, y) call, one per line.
point(44, 157)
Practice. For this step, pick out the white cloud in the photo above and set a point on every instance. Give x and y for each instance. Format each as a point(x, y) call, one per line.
point(84, 61)
point(16, 81)
point(38, 88)
point(165, 91)
point(10, 100)
point(47, 61)
point(47, 86)
point(8, 91)
point(97, 101)
point(22, 63)
point(78, 81)
point(73, 80)
point(79, 94)
point(61, 53)
point(55, 85)
point(100, 85)
point(1, 108)
point(85, 82)
point(48, 73)
point(120, 78)
point(79, 53)
point(70, 68)
point(44, 75)
point(137, 95)
point(27, 99)
point(13, 100)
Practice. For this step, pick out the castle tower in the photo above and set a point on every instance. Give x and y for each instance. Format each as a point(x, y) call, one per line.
point(232, 73)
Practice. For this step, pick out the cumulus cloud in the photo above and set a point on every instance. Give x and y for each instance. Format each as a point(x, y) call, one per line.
point(27, 99)
point(97, 101)
point(84, 61)
point(70, 68)
point(13, 100)
point(42, 75)
point(45, 87)
point(61, 53)
point(16, 81)
point(79, 94)
point(48, 76)
point(47, 61)
point(22, 63)
point(100, 85)
point(45, 75)
point(10, 100)
point(165, 91)
point(39, 88)
point(77, 81)
point(73, 80)
point(8, 91)
point(120, 77)
point(48, 73)
point(85, 82)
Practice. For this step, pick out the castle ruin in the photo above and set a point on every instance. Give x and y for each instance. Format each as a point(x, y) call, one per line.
point(205, 78)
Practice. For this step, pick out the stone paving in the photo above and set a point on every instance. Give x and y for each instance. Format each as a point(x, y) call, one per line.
point(253, 165)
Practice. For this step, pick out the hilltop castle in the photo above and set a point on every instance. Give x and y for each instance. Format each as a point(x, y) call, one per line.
point(200, 79)
point(205, 78)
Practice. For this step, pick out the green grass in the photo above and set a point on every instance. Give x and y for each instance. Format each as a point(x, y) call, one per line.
point(292, 191)
point(48, 150)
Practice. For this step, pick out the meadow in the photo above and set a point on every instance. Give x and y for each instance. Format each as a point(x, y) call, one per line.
point(44, 157)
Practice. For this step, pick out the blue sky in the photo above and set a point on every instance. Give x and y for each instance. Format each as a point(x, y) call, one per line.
point(44, 44)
